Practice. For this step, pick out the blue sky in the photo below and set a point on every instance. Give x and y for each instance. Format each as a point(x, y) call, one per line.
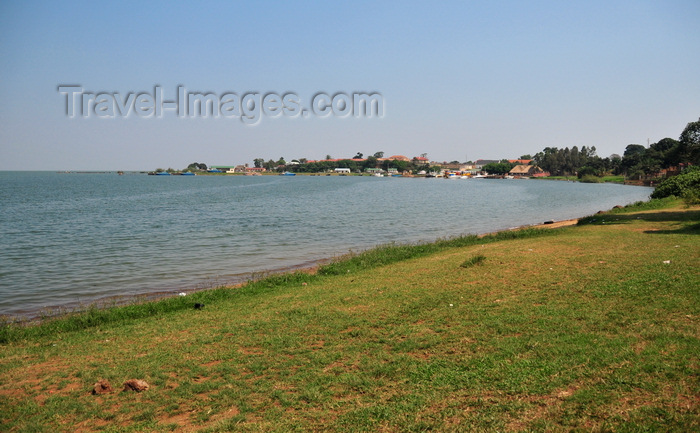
point(462, 80)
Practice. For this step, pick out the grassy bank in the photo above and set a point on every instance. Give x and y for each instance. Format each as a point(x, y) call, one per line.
point(589, 179)
point(589, 328)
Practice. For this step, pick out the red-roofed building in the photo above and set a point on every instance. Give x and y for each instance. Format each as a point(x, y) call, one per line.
point(399, 158)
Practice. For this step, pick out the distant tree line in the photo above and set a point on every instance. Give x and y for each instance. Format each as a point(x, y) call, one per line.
point(572, 162)
point(636, 161)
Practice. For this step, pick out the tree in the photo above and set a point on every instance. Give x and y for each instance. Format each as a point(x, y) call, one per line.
point(270, 165)
point(632, 159)
point(526, 156)
point(281, 161)
point(195, 166)
point(401, 166)
point(379, 154)
point(690, 143)
point(498, 167)
point(329, 157)
point(371, 162)
point(258, 162)
point(665, 152)
point(633, 150)
point(358, 156)
point(550, 159)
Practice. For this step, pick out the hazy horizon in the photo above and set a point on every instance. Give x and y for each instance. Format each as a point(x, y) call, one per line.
point(460, 81)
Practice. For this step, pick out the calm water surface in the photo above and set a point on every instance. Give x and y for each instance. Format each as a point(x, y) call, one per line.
point(70, 239)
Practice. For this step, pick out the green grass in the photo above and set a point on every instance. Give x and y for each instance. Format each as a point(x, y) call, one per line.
point(473, 261)
point(583, 328)
point(352, 262)
point(614, 179)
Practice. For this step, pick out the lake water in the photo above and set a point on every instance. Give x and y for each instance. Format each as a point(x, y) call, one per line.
point(71, 239)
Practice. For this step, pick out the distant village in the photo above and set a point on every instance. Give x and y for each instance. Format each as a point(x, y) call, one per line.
point(376, 165)
point(638, 164)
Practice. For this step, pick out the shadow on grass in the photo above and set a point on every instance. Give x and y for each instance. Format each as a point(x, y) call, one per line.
point(688, 220)
point(693, 229)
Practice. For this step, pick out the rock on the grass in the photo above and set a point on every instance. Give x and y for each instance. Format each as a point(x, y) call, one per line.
point(102, 387)
point(137, 385)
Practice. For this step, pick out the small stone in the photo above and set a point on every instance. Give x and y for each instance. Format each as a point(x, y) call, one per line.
point(137, 385)
point(102, 387)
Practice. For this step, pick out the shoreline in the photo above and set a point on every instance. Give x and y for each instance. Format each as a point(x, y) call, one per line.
point(377, 329)
point(43, 313)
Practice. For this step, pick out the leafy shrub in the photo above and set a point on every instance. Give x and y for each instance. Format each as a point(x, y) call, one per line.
point(686, 184)
point(692, 197)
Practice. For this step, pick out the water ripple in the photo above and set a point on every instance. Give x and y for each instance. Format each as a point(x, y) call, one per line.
point(76, 238)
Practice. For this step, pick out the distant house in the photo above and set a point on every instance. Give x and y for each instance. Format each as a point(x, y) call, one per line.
point(224, 168)
point(672, 171)
point(420, 160)
point(399, 158)
point(342, 170)
point(255, 169)
point(458, 167)
point(523, 170)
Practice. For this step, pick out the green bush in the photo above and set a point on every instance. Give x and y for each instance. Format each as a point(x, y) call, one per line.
point(692, 197)
point(686, 184)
